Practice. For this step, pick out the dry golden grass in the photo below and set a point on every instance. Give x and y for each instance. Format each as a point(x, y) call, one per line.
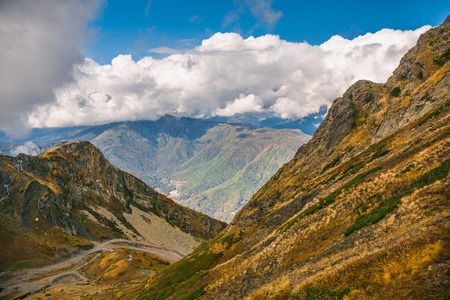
point(115, 267)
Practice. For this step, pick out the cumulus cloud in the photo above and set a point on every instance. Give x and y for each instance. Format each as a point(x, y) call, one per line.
point(226, 75)
point(28, 148)
point(285, 107)
point(39, 44)
point(244, 104)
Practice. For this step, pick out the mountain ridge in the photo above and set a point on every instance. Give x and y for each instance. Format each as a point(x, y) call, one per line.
point(73, 192)
point(360, 212)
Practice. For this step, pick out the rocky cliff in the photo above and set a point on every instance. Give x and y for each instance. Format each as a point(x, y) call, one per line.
point(361, 212)
point(71, 195)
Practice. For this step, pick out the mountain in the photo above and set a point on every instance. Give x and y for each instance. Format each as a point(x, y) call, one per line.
point(209, 166)
point(360, 212)
point(70, 195)
point(231, 163)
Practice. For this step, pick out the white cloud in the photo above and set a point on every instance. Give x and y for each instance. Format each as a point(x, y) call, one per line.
point(147, 7)
point(226, 74)
point(285, 107)
point(244, 104)
point(384, 48)
point(28, 148)
point(39, 44)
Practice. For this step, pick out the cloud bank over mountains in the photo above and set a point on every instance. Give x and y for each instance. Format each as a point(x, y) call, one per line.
point(46, 82)
point(39, 44)
point(225, 75)
point(28, 148)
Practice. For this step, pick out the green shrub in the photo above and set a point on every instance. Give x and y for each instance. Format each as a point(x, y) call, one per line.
point(432, 114)
point(228, 240)
point(316, 292)
point(420, 75)
point(407, 169)
point(391, 203)
point(395, 92)
point(443, 58)
point(192, 295)
point(379, 154)
point(353, 169)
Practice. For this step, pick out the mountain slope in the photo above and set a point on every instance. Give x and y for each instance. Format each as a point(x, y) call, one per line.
point(361, 212)
point(70, 195)
point(220, 178)
point(193, 161)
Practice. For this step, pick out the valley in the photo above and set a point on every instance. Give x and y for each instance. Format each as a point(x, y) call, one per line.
point(70, 218)
point(208, 166)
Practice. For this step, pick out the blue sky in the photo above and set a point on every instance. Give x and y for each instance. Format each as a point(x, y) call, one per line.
point(133, 27)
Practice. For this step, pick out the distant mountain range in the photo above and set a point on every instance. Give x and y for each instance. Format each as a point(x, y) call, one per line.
point(211, 166)
point(307, 125)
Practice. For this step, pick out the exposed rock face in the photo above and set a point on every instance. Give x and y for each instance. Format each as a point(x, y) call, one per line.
point(362, 211)
point(75, 188)
point(94, 179)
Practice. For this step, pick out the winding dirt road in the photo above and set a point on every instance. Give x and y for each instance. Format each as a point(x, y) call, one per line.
point(20, 284)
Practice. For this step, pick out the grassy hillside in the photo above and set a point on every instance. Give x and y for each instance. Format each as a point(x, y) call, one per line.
point(362, 210)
